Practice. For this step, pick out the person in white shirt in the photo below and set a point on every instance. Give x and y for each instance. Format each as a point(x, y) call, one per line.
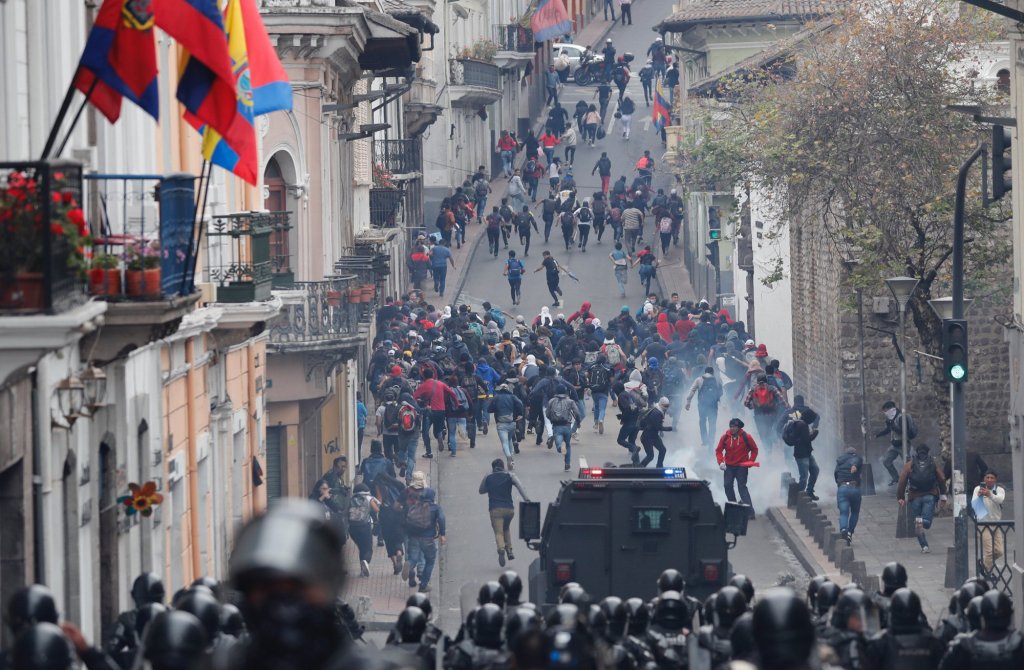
point(992, 495)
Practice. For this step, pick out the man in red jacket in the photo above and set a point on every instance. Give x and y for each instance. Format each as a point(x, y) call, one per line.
point(434, 397)
point(736, 453)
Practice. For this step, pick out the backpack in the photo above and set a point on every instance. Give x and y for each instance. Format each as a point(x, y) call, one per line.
point(643, 163)
point(710, 391)
point(531, 166)
point(628, 401)
point(619, 75)
point(922, 473)
point(599, 208)
point(515, 271)
point(585, 215)
point(406, 418)
point(590, 357)
point(566, 219)
point(614, 353)
point(497, 316)
point(792, 431)
point(391, 417)
point(461, 400)
point(764, 398)
point(559, 412)
point(419, 515)
point(599, 378)
point(481, 189)
point(359, 512)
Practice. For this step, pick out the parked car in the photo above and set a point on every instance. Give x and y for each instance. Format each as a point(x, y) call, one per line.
point(574, 54)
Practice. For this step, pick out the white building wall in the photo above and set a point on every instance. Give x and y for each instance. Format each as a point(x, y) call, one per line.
point(773, 305)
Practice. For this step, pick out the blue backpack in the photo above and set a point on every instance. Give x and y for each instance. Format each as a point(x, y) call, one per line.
point(496, 314)
point(515, 271)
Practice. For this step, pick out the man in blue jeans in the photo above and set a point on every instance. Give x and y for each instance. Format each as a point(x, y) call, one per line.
point(424, 521)
point(563, 413)
point(847, 474)
point(922, 482)
point(599, 378)
point(440, 258)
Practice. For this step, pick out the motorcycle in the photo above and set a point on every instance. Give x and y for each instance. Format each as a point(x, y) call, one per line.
point(590, 70)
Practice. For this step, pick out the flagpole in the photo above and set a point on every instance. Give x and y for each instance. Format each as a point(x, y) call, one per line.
point(64, 107)
point(78, 115)
point(194, 240)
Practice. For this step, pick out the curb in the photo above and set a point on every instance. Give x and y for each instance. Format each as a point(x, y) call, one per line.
point(794, 542)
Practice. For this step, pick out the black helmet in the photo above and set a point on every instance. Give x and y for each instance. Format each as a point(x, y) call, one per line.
point(513, 586)
point(812, 589)
point(491, 592)
point(894, 576)
point(671, 611)
point(312, 555)
point(411, 624)
point(210, 583)
point(566, 648)
point(744, 584)
point(490, 619)
point(616, 617)
point(707, 610)
point(422, 601)
point(175, 640)
point(671, 580)
point(144, 615)
point(597, 620)
point(575, 596)
point(231, 621)
point(565, 587)
point(205, 608)
point(996, 611)
point(851, 602)
point(563, 614)
point(42, 646)
point(147, 588)
point(979, 580)
point(639, 616)
point(826, 597)
point(904, 610)
point(966, 592)
point(741, 637)
point(31, 605)
point(973, 613)
point(521, 620)
point(470, 623)
point(783, 632)
point(730, 603)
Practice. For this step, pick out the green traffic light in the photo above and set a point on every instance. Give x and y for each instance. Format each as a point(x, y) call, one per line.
point(957, 372)
point(715, 234)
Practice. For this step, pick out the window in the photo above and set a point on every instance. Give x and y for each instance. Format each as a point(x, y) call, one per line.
point(1003, 81)
point(649, 520)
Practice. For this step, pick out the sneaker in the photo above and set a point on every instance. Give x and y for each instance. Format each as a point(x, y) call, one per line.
point(380, 542)
point(501, 557)
point(600, 427)
point(425, 589)
point(412, 581)
point(403, 567)
point(472, 445)
point(812, 496)
point(428, 455)
point(551, 442)
point(452, 454)
point(511, 556)
point(364, 568)
point(893, 482)
point(515, 448)
point(925, 550)
point(511, 464)
point(483, 428)
point(567, 467)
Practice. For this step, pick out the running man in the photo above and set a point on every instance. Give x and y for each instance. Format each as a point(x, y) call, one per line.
point(514, 271)
point(552, 270)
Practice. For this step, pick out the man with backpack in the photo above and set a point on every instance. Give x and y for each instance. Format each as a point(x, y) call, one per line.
point(498, 487)
point(630, 406)
point(599, 381)
point(376, 463)
point(507, 410)
point(652, 423)
point(736, 453)
point(563, 412)
point(481, 189)
point(568, 223)
point(646, 77)
point(493, 231)
point(657, 55)
point(894, 429)
point(424, 521)
point(433, 396)
point(584, 219)
point(709, 392)
point(922, 483)
point(458, 409)
point(388, 424)
point(766, 402)
point(645, 167)
point(798, 434)
point(514, 272)
point(522, 221)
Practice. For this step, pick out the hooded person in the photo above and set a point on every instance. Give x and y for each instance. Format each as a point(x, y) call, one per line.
point(578, 318)
point(664, 328)
point(544, 318)
point(530, 368)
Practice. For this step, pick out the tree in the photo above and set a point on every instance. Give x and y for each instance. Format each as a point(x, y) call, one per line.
point(850, 133)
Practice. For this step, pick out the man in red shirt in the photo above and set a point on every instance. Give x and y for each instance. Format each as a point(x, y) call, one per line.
point(432, 395)
point(736, 453)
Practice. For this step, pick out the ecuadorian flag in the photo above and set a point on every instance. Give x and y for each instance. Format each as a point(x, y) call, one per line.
point(549, 20)
point(660, 111)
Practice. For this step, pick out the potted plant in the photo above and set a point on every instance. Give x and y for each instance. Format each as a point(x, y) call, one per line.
point(142, 276)
point(104, 275)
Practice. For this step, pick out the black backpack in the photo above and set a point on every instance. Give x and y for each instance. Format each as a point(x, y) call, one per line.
point(585, 215)
point(531, 167)
point(922, 473)
point(599, 378)
point(599, 208)
point(567, 219)
point(391, 420)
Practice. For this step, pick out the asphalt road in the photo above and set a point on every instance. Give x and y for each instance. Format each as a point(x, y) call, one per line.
point(470, 557)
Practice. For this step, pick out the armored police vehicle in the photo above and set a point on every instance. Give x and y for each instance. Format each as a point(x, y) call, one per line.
point(614, 530)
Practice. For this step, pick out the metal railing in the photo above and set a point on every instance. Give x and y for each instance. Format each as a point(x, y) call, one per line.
point(280, 250)
point(398, 157)
point(43, 258)
point(324, 312)
point(385, 207)
point(514, 37)
point(992, 539)
point(239, 256)
point(467, 72)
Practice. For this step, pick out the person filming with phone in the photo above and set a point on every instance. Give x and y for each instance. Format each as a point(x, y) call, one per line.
point(987, 503)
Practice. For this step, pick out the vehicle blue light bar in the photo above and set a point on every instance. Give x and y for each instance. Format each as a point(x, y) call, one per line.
point(632, 473)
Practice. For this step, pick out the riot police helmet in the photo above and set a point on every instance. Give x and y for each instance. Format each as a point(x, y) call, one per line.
point(782, 629)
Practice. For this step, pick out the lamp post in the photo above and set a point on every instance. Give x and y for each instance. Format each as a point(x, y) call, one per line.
point(902, 288)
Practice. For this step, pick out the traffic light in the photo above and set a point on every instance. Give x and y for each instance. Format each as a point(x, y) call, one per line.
point(1001, 161)
point(714, 224)
point(954, 350)
point(712, 254)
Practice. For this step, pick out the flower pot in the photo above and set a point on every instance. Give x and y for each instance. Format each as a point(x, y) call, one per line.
point(143, 282)
point(368, 292)
point(334, 298)
point(25, 292)
point(355, 295)
point(104, 281)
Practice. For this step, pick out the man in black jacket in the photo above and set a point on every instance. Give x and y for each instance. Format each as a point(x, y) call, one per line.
point(848, 497)
point(498, 487)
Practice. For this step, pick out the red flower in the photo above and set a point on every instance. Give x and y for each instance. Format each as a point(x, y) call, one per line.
point(69, 198)
point(59, 176)
point(56, 229)
point(77, 217)
point(56, 198)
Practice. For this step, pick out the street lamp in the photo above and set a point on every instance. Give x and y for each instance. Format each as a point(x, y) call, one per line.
point(95, 381)
point(902, 288)
point(70, 398)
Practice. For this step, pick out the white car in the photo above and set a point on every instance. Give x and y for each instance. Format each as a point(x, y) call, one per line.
point(573, 53)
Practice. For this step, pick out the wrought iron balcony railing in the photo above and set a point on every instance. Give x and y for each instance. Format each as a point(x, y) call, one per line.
point(393, 158)
point(467, 72)
point(386, 207)
point(321, 312)
point(44, 252)
point(281, 250)
point(514, 37)
point(239, 256)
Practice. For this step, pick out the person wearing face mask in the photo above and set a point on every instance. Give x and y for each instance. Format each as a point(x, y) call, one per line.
point(894, 429)
point(921, 483)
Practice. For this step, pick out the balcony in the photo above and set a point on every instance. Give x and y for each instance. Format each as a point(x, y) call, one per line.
point(43, 238)
point(239, 256)
point(386, 207)
point(322, 316)
point(515, 43)
point(419, 107)
point(399, 159)
point(473, 83)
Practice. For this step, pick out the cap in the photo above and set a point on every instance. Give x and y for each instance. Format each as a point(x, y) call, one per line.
point(419, 480)
point(396, 370)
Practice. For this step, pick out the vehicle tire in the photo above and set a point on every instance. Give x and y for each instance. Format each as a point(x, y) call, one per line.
point(582, 76)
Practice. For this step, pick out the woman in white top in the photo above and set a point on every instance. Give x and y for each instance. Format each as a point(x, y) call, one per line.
point(568, 140)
